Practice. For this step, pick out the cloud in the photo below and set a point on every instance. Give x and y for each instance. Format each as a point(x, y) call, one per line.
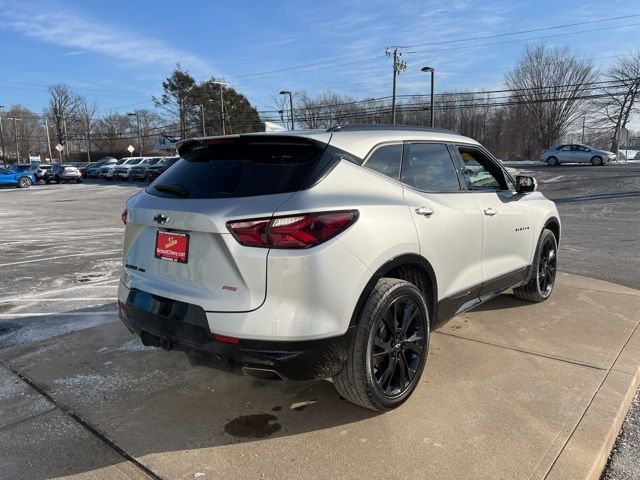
point(73, 54)
point(68, 28)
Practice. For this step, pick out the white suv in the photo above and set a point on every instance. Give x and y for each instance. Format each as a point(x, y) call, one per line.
point(329, 254)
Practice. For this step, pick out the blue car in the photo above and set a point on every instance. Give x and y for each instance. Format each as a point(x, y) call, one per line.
point(19, 179)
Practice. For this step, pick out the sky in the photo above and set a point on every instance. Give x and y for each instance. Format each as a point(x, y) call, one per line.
point(116, 52)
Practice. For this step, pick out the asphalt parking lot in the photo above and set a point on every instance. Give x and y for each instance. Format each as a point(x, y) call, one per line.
point(60, 265)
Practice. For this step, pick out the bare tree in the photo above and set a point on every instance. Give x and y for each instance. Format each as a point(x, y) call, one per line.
point(150, 123)
point(109, 132)
point(63, 112)
point(87, 114)
point(551, 83)
point(24, 132)
point(620, 95)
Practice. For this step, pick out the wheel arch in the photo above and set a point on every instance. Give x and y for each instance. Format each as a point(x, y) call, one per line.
point(553, 224)
point(411, 267)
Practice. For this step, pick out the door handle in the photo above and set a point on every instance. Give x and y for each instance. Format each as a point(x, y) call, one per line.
point(490, 211)
point(426, 211)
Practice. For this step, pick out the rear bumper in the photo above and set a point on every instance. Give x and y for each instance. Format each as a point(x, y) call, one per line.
point(171, 324)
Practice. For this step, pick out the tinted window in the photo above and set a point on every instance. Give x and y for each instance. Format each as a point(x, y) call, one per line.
point(480, 172)
point(429, 167)
point(565, 148)
point(386, 160)
point(244, 167)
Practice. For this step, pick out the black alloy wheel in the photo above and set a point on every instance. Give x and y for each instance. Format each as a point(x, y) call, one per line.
point(389, 349)
point(547, 267)
point(396, 347)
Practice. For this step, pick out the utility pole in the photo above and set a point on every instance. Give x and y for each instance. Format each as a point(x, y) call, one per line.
point(46, 125)
point(399, 66)
point(15, 131)
point(66, 136)
point(87, 137)
point(2, 132)
point(583, 120)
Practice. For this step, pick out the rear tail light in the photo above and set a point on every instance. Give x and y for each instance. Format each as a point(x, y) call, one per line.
point(225, 339)
point(124, 216)
point(295, 231)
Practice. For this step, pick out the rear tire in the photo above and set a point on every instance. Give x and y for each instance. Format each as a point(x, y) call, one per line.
point(596, 160)
point(79, 180)
point(552, 161)
point(389, 349)
point(543, 275)
point(24, 182)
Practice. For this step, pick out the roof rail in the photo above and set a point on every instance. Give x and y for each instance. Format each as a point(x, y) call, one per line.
point(366, 127)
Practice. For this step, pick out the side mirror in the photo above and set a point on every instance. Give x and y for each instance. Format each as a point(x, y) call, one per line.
point(526, 184)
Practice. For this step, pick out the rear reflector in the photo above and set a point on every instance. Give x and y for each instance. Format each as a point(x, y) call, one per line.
point(225, 339)
point(296, 231)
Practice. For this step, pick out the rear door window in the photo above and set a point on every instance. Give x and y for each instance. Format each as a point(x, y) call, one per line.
point(244, 167)
point(429, 167)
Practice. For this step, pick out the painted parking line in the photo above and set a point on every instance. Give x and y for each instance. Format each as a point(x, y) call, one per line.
point(60, 256)
point(99, 284)
point(58, 314)
point(554, 179)
point(70, 299)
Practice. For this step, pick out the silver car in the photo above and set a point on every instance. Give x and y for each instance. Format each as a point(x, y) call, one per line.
point(576, 153)
point(329, 253)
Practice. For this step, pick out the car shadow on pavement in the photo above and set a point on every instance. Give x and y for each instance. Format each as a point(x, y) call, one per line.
point(501, 302)
point(149, 401)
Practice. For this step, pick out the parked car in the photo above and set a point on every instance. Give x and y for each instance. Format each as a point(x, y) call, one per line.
point(318, 254)
point(93, 171)
point(154, 171)
point(108, 171)
point(62, 172)
point(575, 153)
point(19, 178)
point(39, 172)
point(139, 172)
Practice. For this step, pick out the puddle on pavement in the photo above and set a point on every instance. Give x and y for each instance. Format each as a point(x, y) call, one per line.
point(9, 327)
point(259, 425)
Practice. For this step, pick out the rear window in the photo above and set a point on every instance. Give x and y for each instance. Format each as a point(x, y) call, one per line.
point(245, 167)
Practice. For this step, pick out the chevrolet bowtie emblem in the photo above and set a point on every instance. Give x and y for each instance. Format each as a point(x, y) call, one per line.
point(160, 218)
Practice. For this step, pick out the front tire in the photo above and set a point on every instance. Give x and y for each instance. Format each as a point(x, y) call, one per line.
point(552, 161)
point(543, 276)
point(389, 349)
point(596, 160)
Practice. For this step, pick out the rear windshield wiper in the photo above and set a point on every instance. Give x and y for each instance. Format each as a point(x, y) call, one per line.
point(173, 189)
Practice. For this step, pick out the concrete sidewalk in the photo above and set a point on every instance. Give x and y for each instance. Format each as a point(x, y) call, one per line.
point(511, 390)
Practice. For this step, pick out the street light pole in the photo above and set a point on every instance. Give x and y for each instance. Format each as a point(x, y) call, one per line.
point(2, 131)
point(432, 71)
point(286, 92)
point(15, 131)
point(135, 114)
